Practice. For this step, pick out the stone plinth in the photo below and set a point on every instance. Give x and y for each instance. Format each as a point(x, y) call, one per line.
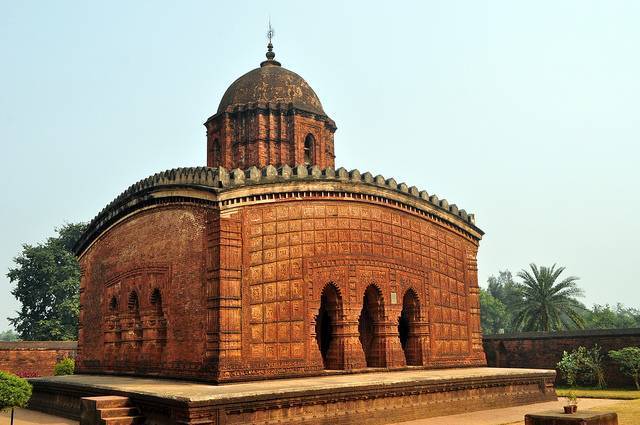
point(579, 418)
point(371, 398)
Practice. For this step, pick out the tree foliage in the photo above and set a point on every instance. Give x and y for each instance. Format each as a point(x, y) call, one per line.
point(629, 360)
point(497, 301)
point(14, 391)
point(548, 304)
point(504, 288)
point(47, 278)
point(540, 303)
point(607, 317)
point(9, 335)
point(536, 303)
point(494, 316)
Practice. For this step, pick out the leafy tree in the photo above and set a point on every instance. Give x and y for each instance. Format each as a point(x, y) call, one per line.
point(47, 278)
point(606, 317)
point(629, 360)
point(505, 294)
point(65, 366)
point(9, 336)
point(494, 317)
point(504, 288)
point(14, 392)
point(546, 304)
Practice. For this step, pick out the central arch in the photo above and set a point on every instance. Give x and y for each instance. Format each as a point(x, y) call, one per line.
point(328, 316)
point(370, 326)
point(407, 322)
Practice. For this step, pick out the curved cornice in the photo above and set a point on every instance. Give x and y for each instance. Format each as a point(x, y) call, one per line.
point(277, 108)
point(224, 188)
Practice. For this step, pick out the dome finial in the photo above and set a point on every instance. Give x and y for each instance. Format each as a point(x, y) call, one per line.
point(270, 55)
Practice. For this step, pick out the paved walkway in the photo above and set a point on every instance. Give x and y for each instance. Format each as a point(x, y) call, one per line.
point(31, 417)
point(511, 415)
point(508, 415)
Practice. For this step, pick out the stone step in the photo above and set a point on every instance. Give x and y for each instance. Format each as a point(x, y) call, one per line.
point(115, 412)
point(104, 402)
point(123, 420)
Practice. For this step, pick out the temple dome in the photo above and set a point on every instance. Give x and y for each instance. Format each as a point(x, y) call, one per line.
point(272, 83)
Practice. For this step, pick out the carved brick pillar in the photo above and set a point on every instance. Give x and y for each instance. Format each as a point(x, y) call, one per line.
point(112, 337)
point(346, 345)
point(314, 355)
point(131, 332)
point(224, 297)
point(419, 340)
point(389, 342)
point(212, 267)
point(154, 336)
point(83, 284)
point(475, 330)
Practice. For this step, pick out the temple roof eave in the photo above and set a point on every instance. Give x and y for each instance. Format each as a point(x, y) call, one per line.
point(217, 185)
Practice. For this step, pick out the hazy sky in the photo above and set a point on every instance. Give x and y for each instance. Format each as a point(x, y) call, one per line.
point(525, 113)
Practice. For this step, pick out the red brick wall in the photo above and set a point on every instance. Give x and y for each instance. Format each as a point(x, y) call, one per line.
point(34, 358)
point(242, 287)
point(158, 249)
point(292, 250)
point(540, 350)
point(254, 137)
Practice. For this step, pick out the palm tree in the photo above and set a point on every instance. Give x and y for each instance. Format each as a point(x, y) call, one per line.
point(548, 305)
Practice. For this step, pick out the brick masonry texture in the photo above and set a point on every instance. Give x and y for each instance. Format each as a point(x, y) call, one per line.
point(124, 325)
point(544, 350)
point(263, 134)
point(281, 277)
point(34, 357)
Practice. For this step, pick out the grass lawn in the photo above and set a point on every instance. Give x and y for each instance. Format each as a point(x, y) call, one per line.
point(628, 411)
point(620, 394)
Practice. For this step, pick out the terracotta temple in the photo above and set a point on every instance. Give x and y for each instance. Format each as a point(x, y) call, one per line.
point(269, 262)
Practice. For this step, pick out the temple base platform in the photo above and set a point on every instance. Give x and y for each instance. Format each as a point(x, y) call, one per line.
point(364, 398)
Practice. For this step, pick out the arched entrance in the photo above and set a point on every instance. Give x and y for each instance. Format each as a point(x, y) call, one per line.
point(370, 326)
point(328, 316)
point(407, 321)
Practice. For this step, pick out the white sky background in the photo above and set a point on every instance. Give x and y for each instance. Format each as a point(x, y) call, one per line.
point(525, 113)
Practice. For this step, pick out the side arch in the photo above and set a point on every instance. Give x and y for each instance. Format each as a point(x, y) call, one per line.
point(370, 326)
point(408, 324)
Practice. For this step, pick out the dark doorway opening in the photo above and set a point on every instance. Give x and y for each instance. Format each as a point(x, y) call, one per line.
point(328, 313)
point(369, 326)
point(407, 321)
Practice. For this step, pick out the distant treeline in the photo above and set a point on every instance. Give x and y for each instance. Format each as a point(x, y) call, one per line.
point(541, 301)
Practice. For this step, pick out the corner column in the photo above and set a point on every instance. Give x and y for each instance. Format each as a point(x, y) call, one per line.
point(224, 297)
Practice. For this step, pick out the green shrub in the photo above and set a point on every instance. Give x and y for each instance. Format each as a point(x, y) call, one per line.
point(583, 366)
point(65, 366)
point(570, 366)
point(629, 360)
point(14, 391)
point(596, 367)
